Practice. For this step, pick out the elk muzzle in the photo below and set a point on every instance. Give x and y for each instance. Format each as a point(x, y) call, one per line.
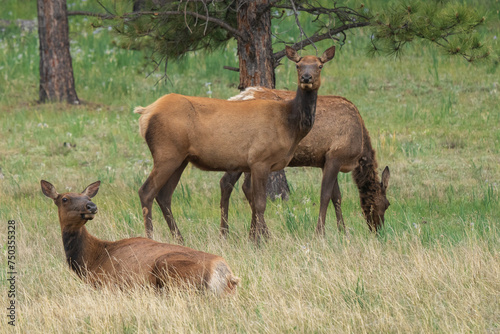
point(91, 209)
point(306, 81)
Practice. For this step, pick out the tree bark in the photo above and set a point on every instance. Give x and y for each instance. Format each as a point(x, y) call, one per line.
point(255, 50)
point(256, 66)
point(56, 70)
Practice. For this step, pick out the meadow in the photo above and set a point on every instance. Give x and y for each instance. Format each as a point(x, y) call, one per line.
point(435, 267)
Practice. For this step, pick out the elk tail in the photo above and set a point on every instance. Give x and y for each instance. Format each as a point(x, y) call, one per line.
point(233, 282)
point(139, 110)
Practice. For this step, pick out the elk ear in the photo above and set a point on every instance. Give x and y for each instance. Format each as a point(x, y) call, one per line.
point(48, 189)
point(328, 54)
point(386, 174)
point(92, 189)
point(292, 54)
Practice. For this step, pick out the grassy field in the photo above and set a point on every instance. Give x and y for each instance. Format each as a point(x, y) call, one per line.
point(434, 120)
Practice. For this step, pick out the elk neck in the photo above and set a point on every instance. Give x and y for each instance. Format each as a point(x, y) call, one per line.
point(303, 111)
point(81, 249)
point(366, 178)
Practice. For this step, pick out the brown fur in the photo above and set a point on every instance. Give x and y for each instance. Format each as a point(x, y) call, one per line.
point(131, 261)
point(217, 135)
point(337, 142)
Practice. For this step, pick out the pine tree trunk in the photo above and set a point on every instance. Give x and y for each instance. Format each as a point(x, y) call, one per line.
point(257, 68)
point(255, 51)
point(56, 70)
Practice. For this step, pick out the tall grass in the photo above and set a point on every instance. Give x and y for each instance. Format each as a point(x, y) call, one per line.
point(434, 268)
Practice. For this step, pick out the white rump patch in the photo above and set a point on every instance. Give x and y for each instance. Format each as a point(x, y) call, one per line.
point(221, 279)
point(247, 94)
point(218, 281)
point(145, 113)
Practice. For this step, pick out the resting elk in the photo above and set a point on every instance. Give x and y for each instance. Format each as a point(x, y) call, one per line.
point(135, 260)
point(338, 142)
point(257, 136)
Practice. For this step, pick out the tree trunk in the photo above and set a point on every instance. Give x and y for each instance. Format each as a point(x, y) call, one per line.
point(56, 71)
point(255, 54)
point(255, 50)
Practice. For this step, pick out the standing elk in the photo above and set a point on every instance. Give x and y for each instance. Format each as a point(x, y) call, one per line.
point(135, 260)
point(338, 142)
point(255, 136)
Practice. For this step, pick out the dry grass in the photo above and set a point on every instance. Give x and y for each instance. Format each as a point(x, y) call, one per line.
point(357, 284)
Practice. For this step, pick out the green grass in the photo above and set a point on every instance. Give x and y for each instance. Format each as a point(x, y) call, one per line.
point(434, 120)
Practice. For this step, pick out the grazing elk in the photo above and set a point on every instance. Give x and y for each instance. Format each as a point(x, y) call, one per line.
point(135, 260)
point(255, 136)
point(338, 142)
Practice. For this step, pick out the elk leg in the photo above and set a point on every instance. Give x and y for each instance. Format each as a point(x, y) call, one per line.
point(247, 188)
point(164, 200)
point(227, 183)
point(337, 201)
point(258, 226)
point(330, 172)
point(148, 191)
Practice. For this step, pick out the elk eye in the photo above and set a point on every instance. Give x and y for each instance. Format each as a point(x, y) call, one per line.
point(64, 199)
point(320, 67)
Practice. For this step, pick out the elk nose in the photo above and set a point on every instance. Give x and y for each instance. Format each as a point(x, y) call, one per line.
point(91, 207)
point(306, 78)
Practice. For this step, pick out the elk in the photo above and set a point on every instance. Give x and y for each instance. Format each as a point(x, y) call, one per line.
point(257, 136)
point(338, 142)
point(135, 260)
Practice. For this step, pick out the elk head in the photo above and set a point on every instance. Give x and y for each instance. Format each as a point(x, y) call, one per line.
point(309, 67)
point(381, 202)
point(74, 209)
